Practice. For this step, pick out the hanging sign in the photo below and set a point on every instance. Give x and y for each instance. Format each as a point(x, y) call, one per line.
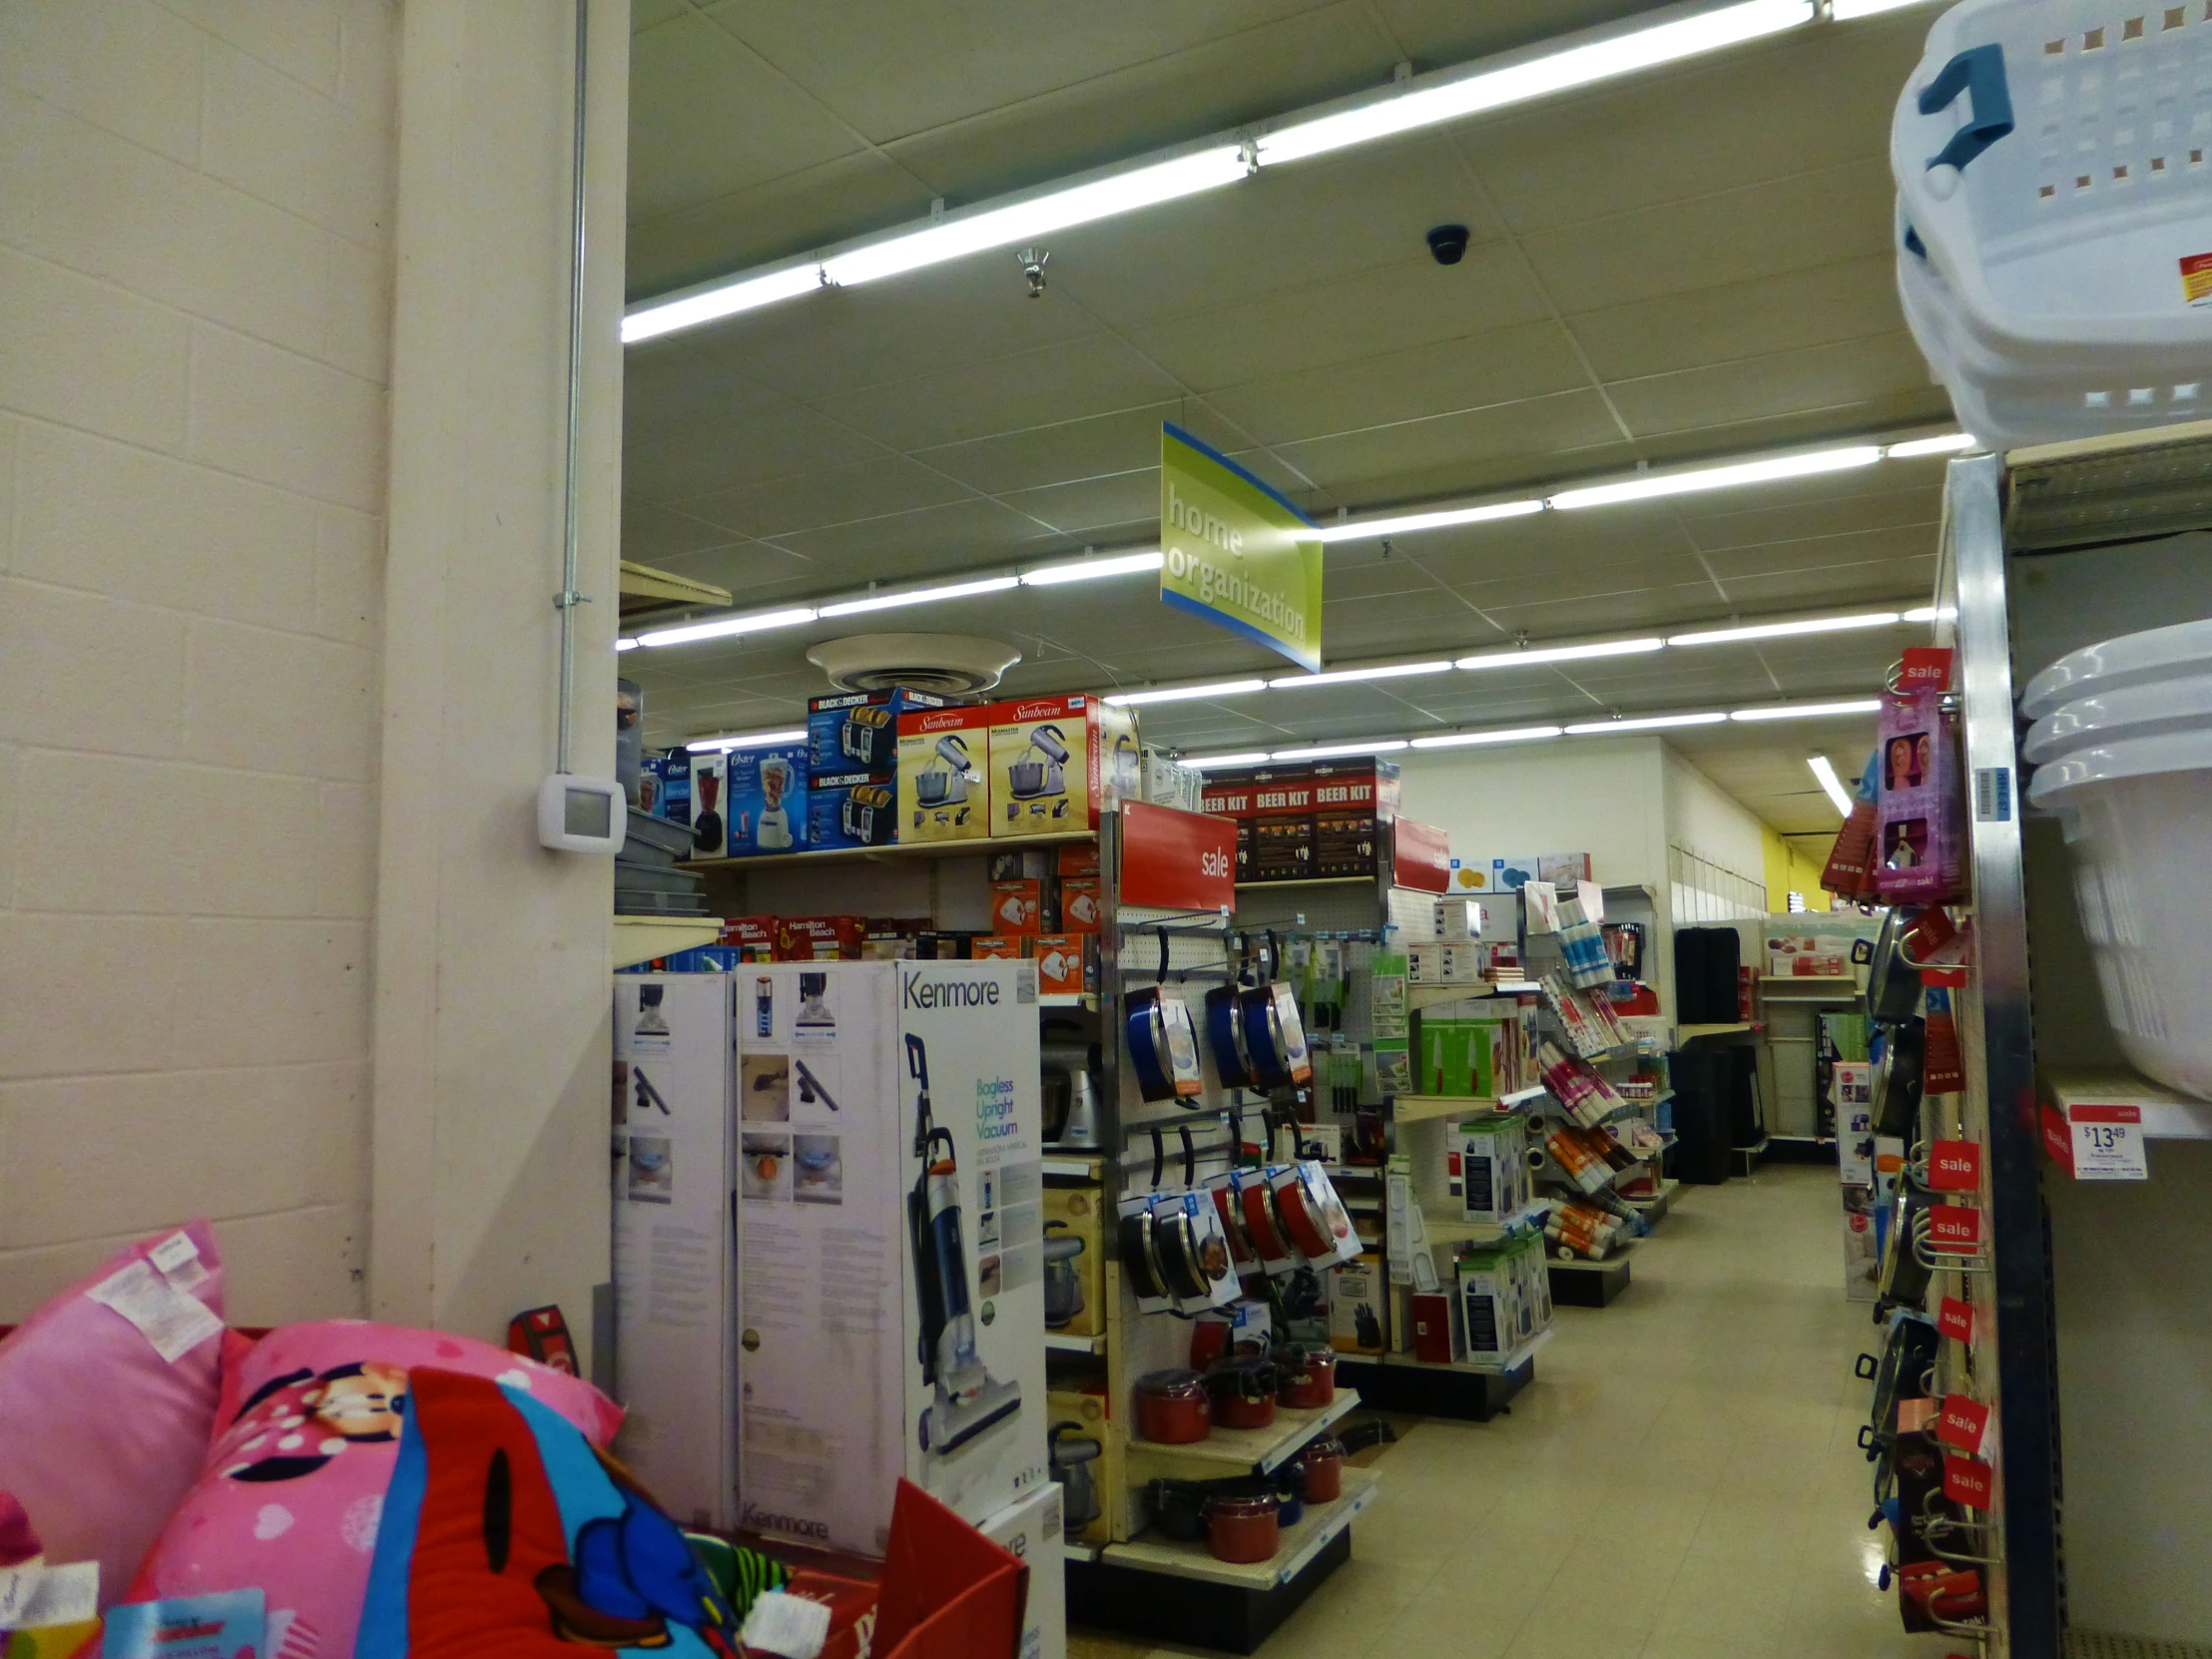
point(1420, 857)
point(1962, 1423)
point(1955, 1318)
point(1176, 861)
point(1954, 1228)
point(1954, 1167)
point(2109, 1142)
point(1237, 553)
point(1967, 1482)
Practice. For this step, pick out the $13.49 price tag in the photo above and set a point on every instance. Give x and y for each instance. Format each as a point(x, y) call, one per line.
point(2109, 1142)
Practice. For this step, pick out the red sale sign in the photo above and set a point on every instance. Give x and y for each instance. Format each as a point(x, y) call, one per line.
point(1962, 1423)
point(1954, 1228)
point(1954, 1167)
point(1967, 1482)
point(1420, 857)
point(1927, 668)
point(1176, 861)
point(1955, 1318)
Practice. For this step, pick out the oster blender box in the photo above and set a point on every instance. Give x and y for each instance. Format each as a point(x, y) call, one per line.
point(1060, 764)
point(766, 806)
point(859, 730)
point(944, 773)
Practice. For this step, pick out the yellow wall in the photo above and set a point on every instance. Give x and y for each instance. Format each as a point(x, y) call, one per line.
point(1789, 870)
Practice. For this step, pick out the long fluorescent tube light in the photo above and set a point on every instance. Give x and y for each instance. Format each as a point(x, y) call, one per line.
point(1559, 654)
point(1346, 676)
point(719, 627)
point(1932, 613)
point(626, 644)
point(712, 302)
point(1089, 570)
point(1811, 711)
point(1328, 750)
point(1647, 723)
point(1846, 11)
point(959, 235)
point(920, 596)
point(1788, 629)
point(1250, 759)
point(1947, 444)
point(1831, 785)
point(743, 739)
point(1650, 486)
point(1429, 100)
point(1458, 739)
point(1183, 694)
point(1440, 519)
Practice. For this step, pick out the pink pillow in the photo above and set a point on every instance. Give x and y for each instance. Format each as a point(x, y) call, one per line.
point(293, 1490)
point(100, 1433)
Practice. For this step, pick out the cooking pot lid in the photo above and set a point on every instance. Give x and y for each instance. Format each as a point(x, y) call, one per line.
point(1171, 1384)
point(2168, 653)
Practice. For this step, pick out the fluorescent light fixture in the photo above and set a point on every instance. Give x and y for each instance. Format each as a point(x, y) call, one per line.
point(743, 739)
point(1328, 750)
point(1932, 613)
point(1459, 739)
point(1089, 570)
point(1559, 654)
point(1831, 785)
point(1787, 630)
point(719, 627)
point(626, 644)
point(1846, 11)
point(1646, 722)
point(1346, 676)
point(1649, 486)
point(714, 300)
point(920, 596)
point(1947, 444)
point(959, 235)
point(1182, 694)
point(1250, 758)
point(1811, 711)
point(1442, 518)
point(1429, 100)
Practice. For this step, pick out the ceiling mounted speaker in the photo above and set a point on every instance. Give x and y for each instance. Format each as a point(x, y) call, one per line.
point(952, 664)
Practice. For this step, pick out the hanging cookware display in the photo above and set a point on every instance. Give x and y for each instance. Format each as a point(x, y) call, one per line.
point(1175, 1241)
point(1261, 1229)
point(1897, 1077)
point(1894, 980)
point(1162, 1043)
point(1232, 1226)
point(1225, 1033)
point(1313, 1216)
point(1275, 1034)
point(1140, 1257)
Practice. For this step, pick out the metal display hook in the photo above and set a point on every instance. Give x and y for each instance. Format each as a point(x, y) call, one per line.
point(1159, 1157)
point(1190, 1157)
point(1926, 1253)
point(1938, 1524)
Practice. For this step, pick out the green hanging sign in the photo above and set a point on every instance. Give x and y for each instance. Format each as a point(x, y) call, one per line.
point(1237, 553)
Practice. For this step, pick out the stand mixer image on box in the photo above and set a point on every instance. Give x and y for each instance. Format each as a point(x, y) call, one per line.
point(969, 1399)
point(944, 790)
point(1041, 779)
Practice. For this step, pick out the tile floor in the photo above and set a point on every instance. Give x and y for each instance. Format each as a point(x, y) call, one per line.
point(1681, 1481)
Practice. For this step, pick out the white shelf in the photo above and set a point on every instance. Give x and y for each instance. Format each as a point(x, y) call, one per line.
point(1315, 1531)
point(977, 848)
point(1418, 1108)
point(1684, 1033)
point(1078, 1552)
point(1521, 1097)
point(641, 939)
point(1511, 1359)
point(1080, 1169)
point(1059, 1341)
point(1069, 1000)
point(1246, 1450)
point(2167, 1116)
point(1438, 1230)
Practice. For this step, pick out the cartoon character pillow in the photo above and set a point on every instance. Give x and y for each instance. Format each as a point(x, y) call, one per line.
point(291, 1495)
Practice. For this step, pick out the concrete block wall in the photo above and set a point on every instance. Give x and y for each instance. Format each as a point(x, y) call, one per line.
point(196, 267)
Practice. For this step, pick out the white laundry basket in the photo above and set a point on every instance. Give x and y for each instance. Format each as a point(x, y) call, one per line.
point(2138, 821)
point(2122, 714)
point(2179, 650)
point(2053, 161)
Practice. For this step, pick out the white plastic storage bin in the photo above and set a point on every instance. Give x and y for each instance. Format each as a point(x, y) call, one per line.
point(2053, 161)
point(2180, 651)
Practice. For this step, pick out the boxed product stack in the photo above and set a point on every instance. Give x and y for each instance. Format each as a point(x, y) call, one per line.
point(1029, 766)
point(1045, 907)
point(1504, 1297)
point(1481, 1049)
point(745, 802)
point(1306, 822)
point(647, 882)
point(853, 751)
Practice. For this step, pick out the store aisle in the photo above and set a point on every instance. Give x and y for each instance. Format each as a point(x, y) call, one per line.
point(1682, 1482)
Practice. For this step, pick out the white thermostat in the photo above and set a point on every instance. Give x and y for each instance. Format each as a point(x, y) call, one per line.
point(582, 814)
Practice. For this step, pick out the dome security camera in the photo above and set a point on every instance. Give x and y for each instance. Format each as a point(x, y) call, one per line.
point(1448, 243)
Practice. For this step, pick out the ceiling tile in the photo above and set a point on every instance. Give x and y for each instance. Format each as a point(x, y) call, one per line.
point(680, 385)
point(651, 535)
point(1538, 437)
point(1816, 377)
point(1877, 497)
point(1102, 446)
point(749, 570)
point(1442, 32)
point(845, 495)
point(909, 546)
point(1850, 300)
point(1127, 504)
point(1561, 583)
point(1834, 552)
point(1733, 235)
point(1902, 580)
point(774, 442)
point(1442, 379)
point(707, 118)
point(1046, 386)
point(644, 14)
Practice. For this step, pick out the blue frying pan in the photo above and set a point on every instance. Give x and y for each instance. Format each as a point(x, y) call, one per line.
point(1224, 1034)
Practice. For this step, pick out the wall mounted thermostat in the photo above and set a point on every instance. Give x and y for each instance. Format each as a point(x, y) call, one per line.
point(582, 814)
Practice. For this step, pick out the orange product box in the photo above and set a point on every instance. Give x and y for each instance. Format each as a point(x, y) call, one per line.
point(1016, 905)
point(819, 938)
point(997, 946)
point(1082, 904)
point(755, 936)
point(1078, 859)
point(1061, 962)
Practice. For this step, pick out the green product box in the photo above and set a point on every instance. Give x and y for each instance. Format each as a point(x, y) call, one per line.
point(1459, 1057)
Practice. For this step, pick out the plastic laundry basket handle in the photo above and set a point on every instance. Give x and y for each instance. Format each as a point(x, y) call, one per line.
point(1979, 72)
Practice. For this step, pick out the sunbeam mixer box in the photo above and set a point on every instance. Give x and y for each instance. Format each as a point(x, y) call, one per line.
point(1060, 764)
point(944, 773)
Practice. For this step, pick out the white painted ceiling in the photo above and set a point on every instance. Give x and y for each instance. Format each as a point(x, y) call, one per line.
point(1687, 264)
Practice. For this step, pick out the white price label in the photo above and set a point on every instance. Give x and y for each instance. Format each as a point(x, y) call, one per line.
point(2109, 1142)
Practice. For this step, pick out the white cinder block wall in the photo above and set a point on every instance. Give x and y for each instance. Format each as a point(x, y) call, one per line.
point(194, 295)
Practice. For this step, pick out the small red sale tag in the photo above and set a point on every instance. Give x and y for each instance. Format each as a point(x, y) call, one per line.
point(1967, 1482)
point(1954, 1228)
point(1955, 977)
point(1927, 668)
point(1954, 1167)
point(2057, 1138)
point(1962, 1423)
point(1955, 1318)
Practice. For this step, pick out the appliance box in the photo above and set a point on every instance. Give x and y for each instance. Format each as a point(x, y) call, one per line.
point(675, 1261)
point(943, 760)
point(710, 777)
point(764, 800)
point(853, 808)
point(1059, 764)
point(870, 1258)
point(1078, 1211)
point(1359, 1299)
point(1031, 1529)
point(859, 730)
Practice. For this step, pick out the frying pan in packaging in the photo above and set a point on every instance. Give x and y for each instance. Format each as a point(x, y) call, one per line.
point(1311, 1213)
point(1140, 1257)
point(1260, 1225)
point(1232, 1224)
point(1145, 1025)
point(1225, 1035)
point(1897, 1079)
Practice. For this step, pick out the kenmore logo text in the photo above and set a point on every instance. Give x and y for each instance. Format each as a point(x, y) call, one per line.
point(950, 993)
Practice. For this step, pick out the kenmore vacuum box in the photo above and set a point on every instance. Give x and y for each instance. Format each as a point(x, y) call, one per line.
point(889, 1315)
